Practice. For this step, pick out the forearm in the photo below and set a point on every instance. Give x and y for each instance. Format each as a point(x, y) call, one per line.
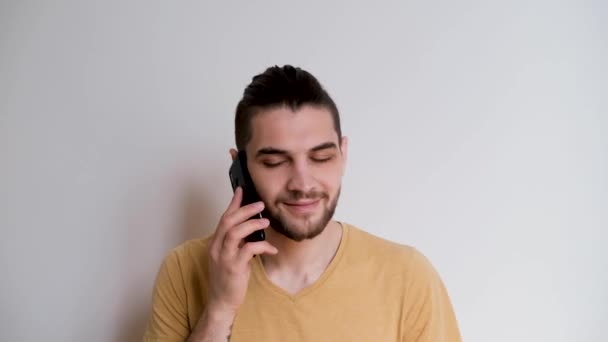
point(212, 327)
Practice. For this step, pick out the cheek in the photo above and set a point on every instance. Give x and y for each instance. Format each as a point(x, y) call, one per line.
point(329, 181)
point(269, 186)
point(333, 185)
point(331, 173)
point(272, 183)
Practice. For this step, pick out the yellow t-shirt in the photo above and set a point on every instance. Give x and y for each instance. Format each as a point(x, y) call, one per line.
point(373, 290)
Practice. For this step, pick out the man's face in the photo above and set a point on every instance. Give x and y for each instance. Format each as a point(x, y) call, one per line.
point(296, 161)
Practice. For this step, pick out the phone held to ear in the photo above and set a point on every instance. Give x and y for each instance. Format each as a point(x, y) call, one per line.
point(239, 176)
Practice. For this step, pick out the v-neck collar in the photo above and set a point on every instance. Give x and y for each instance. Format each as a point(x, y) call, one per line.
point(260, 273)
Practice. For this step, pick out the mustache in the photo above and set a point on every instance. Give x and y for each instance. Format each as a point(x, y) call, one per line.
point(298, 195)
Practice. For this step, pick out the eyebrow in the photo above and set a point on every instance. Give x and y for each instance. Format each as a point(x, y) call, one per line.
point(274, 151)
point(324, 146)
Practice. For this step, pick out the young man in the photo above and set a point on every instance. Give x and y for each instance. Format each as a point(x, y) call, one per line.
point(312, 278)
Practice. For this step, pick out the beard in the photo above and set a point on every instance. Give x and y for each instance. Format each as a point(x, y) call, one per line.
point(306, 227)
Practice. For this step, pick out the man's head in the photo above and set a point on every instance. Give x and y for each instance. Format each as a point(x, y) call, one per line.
point(289, 127)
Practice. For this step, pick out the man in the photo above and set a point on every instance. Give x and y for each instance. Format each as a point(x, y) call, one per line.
point(312, 278)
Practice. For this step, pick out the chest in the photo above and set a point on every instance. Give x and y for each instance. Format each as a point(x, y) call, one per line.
point(334, 314)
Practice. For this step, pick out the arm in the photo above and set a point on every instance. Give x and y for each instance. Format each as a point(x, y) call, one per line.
point(429, 315)
point(213, 326)
point(169, 318)
point(229, 268)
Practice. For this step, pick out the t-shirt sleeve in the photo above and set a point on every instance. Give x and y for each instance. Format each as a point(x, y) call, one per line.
point(168, 319)
point(429, 315)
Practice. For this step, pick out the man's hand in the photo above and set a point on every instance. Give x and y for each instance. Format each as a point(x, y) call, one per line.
point(229, 267)
point(229, 259)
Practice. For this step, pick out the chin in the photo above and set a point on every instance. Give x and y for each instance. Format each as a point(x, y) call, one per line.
point(304, 227)
point(299, 230)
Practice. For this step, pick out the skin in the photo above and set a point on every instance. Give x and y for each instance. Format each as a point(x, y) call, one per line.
point(297, 162)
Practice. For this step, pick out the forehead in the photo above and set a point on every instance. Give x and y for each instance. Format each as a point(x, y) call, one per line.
point(290, 130)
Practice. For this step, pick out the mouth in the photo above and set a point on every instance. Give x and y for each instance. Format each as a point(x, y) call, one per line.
point(303, 206)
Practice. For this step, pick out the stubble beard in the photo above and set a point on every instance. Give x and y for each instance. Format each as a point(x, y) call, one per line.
point(305, 227)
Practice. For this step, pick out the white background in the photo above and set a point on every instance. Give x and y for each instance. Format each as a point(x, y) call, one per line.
point(477, 128)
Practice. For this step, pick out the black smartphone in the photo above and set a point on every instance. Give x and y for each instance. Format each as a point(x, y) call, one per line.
point(239, 176)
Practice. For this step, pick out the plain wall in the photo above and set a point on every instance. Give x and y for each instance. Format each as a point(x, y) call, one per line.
point(477, 134)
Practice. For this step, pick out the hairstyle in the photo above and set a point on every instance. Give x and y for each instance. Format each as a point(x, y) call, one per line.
point(276, 87)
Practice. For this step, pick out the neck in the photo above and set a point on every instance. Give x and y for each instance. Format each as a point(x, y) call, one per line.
point(305, 260)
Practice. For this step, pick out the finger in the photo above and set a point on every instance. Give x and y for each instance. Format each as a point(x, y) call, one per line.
point(230, 220)
point(241, 215)
point(218, 235)
point(235, 235)
point(237, 198)
point(255, 248)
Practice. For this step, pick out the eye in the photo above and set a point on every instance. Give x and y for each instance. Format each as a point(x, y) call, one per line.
point(322, 159)
point(269, 164)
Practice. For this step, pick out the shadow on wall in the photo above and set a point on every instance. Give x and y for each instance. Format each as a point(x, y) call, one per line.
point(196, 219)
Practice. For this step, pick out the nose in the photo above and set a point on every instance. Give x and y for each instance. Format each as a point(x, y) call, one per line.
point(301, 178)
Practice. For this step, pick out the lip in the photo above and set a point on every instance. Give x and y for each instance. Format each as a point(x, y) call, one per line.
point(302, 207)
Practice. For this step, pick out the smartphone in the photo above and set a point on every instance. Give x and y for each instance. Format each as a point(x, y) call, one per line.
point(239, 176)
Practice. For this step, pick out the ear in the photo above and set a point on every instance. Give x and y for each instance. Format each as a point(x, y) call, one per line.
point(344, 151)
point(233, 153)
point(344, 148)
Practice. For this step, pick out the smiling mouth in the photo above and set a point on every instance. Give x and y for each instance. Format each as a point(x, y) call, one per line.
point(302, 203)
point(302, 206)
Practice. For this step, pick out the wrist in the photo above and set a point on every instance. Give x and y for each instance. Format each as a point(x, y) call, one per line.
point(215, 324)
point(219, 315)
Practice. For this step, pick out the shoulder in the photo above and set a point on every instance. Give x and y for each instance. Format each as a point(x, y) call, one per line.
point(398, 258)
point(193, 249)
point(373, 246)
point(187, 260)
point(427, 304)
point(177, 284)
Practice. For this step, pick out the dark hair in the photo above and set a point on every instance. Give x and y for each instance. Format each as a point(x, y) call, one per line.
point(280, 86)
